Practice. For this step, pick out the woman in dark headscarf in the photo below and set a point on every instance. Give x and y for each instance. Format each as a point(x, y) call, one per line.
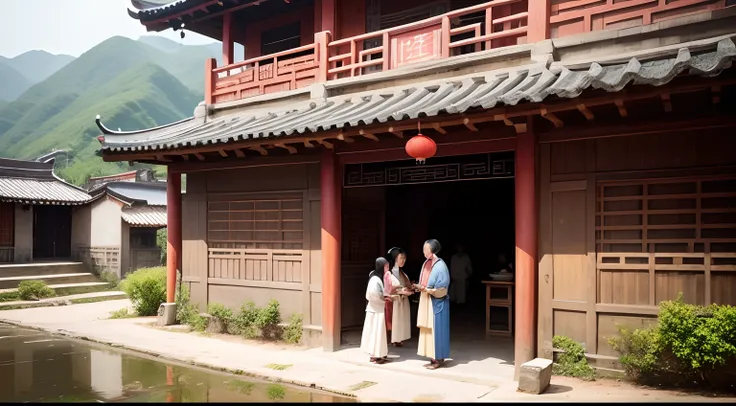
point(433, 318)
point(374, 340)
point(398, 287)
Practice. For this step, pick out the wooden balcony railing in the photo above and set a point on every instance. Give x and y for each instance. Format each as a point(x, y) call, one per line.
point(503, 22)
point(482, 27)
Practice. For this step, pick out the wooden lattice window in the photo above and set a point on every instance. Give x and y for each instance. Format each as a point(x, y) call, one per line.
point(657, 238)
point(269, 223)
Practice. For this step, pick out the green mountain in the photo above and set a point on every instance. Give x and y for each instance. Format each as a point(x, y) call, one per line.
point(130, 84)
point(36, 66)
point(12, 82)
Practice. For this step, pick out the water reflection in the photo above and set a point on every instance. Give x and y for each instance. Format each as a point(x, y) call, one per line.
point(38, 367)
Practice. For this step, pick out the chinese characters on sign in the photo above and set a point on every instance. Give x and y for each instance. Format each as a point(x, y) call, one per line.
point(416, 46)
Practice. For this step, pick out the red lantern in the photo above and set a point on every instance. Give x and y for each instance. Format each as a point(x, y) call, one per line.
point(420, 148)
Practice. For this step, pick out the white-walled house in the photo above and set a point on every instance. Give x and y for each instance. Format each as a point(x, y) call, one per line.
point(124, 216)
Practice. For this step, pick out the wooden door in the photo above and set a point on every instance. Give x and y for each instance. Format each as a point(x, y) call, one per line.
point(362, 232)
point(52, 232)
point(7, 231)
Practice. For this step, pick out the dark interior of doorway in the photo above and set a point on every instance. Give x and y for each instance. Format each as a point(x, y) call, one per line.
point(52, 232)
point(479, 214)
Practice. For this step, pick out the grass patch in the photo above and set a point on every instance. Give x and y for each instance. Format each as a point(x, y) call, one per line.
point(9, 296)
point(93, 299)
point(279, 367)
point(123, 313)
point(276, 392)
point(242, 387)
point(361, 385)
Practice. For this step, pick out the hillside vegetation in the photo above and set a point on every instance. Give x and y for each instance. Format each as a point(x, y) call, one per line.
point(131, 84)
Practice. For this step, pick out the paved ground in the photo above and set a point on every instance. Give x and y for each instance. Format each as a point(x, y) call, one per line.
point(341, 372)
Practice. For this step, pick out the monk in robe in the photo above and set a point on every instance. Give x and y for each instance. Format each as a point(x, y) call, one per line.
point(433, 318)
point(374, 340)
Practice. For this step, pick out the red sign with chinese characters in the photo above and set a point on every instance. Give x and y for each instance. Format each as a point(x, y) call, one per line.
point(422, 44)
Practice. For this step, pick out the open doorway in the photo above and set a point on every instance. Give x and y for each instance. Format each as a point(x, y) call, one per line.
point(468, 200)
point(479, 215)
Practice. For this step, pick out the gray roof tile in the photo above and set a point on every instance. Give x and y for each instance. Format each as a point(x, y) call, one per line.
point(32, 182)
point(532, 83)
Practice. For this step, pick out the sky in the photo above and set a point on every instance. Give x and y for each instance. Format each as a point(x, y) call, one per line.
point(71, 26)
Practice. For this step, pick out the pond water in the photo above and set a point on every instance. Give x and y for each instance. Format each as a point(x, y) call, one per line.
point(40, 367)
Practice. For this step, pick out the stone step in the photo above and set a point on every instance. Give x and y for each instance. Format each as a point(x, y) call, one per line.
point(64, 300)
point(41, 268)
point(13, 281)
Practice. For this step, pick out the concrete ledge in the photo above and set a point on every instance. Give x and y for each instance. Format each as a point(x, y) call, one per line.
point(535, 375)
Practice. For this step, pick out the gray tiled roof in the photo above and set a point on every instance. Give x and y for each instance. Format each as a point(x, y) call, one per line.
point(31, 182)
point(532, 83)
point(148, 193)
point(155, 9)
point(145, 216)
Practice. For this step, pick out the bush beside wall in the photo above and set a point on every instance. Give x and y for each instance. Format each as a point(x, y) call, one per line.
point(689, 346)
point(146, 289)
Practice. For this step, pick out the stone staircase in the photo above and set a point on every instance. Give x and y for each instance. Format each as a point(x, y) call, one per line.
point(68, 279)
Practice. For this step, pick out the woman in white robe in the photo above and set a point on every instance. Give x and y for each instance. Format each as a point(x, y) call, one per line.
point(374, 340)
point(401, 289)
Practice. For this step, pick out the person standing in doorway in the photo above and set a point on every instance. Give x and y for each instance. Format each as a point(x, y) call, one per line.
point(461, 269)
point(401, 289)
point(433, 318)
point(373, 340)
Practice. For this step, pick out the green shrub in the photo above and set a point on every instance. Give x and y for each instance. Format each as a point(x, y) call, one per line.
point(572, 361)
point(34, 290)
point(221, 312)
point(293, 331)
point(162, 243)
point(146, 289)
point(268, 321)
point(691, 345)
point(187, 312)
point(700, 337)
point(244, 323)
point(640, 351)
point(111, 278)
point(253, 322)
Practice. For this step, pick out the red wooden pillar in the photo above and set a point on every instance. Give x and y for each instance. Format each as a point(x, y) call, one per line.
point(227, 39)
point(538, 21)
point(526, 250)
point(325, 18)
point(173, 224)
point(331, 212)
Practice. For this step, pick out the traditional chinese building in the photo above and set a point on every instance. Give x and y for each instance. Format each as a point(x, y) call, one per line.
point(39, 212)
point(590, 141)
point(125, 213)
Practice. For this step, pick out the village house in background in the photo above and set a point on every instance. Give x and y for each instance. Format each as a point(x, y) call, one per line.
point(40, 214)
point(43, 221)
point(64, 235)
point(125, 213)
point(594, 138)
